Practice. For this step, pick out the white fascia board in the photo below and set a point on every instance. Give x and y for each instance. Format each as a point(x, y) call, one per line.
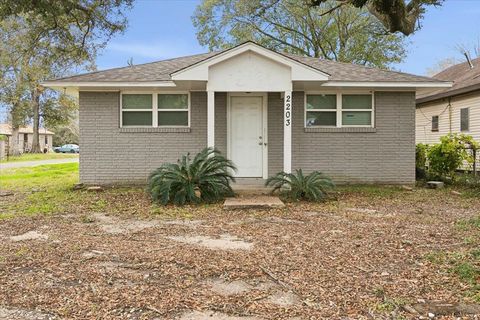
point(399, 84)
point(79, 84)
point(199, 71)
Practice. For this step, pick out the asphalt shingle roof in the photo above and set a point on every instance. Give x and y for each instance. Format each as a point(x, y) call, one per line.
point(161, 70)
point(464, 78)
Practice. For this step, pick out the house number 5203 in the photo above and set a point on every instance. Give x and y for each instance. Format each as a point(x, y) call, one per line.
point(288, 110)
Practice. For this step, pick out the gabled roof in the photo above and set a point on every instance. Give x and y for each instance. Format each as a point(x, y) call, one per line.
point(299, 70)
point(161, 71)
point(465, 79)
point(6, 129)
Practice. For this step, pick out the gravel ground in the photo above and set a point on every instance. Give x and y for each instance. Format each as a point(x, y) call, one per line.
point(361, 256)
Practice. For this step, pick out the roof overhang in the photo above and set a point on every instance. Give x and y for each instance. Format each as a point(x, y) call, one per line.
point(73, 87)
point(387, 84)
point(448, 94)
point(299, 71)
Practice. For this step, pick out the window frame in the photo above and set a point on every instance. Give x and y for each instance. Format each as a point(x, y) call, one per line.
point(468, 119)
point(339, 110)
point(155, 108)
point(438, 124)
point(321, 110)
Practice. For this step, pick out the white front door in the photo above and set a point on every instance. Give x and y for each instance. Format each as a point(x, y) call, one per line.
point(246, 135)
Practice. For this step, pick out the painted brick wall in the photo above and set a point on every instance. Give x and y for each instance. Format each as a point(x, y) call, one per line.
point(221, 122)
point(384, 156)
point(111, 156)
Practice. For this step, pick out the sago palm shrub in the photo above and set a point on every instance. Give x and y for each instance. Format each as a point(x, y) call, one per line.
point(297, 186)
point(206, 178)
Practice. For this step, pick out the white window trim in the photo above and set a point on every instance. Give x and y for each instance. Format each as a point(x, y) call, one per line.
point(154, 108)
point(339, 110)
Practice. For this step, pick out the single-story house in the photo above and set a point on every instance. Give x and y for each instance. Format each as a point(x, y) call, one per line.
point(25, 137)
point(266, 111)
point(451, 110)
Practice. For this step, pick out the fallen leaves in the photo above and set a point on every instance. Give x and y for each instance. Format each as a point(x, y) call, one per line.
point(318, 260)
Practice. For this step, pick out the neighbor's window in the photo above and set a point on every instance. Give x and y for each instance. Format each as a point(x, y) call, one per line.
point(321, 110)
point(173, 110)
point(355, 110)
point(464, 119)
point(137, 110)
point(435, 123)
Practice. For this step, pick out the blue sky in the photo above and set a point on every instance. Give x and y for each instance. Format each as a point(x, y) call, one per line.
point(161, 29)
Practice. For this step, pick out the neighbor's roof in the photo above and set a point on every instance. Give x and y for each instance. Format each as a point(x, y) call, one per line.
point(6, 129)
point(464, 78)
point(161, 71)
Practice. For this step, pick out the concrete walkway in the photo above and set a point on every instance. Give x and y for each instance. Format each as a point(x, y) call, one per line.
point(253, 202)
point(21, 164)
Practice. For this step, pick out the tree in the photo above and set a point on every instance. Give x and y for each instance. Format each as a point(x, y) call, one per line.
point(345, 33)
point(441, 65)
point(66, 134)
point(23, 67)
point(78, 27)
point(395, 15)
point(46, 39)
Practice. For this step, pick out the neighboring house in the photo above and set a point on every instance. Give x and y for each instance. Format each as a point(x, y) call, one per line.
point(451, 110)
point(266, 111)
point(25, 137)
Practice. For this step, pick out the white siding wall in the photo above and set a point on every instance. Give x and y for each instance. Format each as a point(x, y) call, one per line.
point(423, 130)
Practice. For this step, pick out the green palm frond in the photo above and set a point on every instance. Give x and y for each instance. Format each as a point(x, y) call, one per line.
point(206, 178)
point(297, 186)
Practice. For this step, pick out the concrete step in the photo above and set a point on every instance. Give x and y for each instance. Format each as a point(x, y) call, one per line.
point(253, 202)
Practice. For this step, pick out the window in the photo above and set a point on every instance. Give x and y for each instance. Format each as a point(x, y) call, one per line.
point(339, 110)
point(155, 109)
point(137, 110)
point(356, 110)
point(46, 139)
point(321, 110)
point(464, 119)
point(435, 123)
point(173, 110)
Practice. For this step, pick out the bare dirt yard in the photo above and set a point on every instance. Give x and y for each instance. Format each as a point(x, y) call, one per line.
point(371, 253)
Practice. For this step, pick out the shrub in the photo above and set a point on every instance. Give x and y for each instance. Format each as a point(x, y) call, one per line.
point(420, 160)
point(297, 186)
point(206, 178)
point(447, 156)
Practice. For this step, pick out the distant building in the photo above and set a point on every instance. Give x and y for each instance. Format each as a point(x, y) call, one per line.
point(25, 137)
point(451, 110)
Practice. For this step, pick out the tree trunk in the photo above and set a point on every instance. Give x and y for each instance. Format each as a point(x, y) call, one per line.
point(13, 149)
point(36, 121)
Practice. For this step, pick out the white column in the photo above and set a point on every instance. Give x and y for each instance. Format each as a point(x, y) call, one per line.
point(211, 119)
point(287, 132)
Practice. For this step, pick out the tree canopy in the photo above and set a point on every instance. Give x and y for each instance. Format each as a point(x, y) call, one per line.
point(330, 31)
point(44, 39)
point(78, 27)
point(395, 15)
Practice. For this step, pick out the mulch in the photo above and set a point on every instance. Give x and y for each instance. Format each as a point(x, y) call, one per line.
point(340, 263)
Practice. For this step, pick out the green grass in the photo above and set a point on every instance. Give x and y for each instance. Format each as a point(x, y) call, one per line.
point(39, 156)
point(472, 223)
point(42, 189)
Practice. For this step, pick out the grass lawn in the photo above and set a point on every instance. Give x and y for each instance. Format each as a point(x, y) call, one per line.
point(369, 253)
point(39, 156)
